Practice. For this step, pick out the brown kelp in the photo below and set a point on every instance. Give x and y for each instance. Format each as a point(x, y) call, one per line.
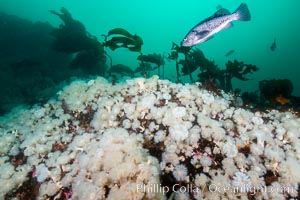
point(195, 59)
point(174, 55)
point(122, 38)
point(147, 60)
point(238, 70)
point(72, 38)
point(211, 75)
point(121, 69)
point(144, 68)
point(155, 58)
point(90, 61)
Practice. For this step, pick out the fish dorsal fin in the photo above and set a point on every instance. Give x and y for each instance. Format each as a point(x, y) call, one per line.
point(221, 12)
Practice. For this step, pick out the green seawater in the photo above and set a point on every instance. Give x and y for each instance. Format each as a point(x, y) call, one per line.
point(160, 23)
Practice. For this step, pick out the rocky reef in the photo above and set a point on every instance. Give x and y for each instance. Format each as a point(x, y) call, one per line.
point(147, 139)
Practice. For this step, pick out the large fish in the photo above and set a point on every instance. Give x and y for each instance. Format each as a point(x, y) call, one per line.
point(221, 20)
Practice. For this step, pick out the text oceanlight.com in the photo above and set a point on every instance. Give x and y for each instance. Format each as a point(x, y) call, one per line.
point(158, 188)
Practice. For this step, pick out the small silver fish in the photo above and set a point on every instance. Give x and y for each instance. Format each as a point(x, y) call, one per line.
point(229, 53)
point(221, 20)
point(273, 45)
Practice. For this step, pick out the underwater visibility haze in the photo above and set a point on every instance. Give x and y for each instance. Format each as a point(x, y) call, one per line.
point(136, 99)
point(161, 23)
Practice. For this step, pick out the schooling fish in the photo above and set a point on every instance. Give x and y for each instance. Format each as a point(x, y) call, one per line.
point(273, 45)
point(221, 20)
point(229, 53)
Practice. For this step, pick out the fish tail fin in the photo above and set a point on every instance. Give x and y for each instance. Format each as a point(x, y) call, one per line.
point(242, 13)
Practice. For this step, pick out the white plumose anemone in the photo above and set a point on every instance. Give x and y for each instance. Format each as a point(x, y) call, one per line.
point(180, 172)
point(179, 132)
point(241, 182)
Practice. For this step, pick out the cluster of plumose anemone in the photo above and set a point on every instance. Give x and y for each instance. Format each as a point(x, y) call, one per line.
point(96, 140)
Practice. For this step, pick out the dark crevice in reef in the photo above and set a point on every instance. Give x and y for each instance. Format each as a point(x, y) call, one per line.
point(29, 190)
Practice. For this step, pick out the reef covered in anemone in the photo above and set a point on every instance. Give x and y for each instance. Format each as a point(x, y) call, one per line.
point(147, 139)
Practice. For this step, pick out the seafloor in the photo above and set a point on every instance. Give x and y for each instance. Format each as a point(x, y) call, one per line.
point(147, 139)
